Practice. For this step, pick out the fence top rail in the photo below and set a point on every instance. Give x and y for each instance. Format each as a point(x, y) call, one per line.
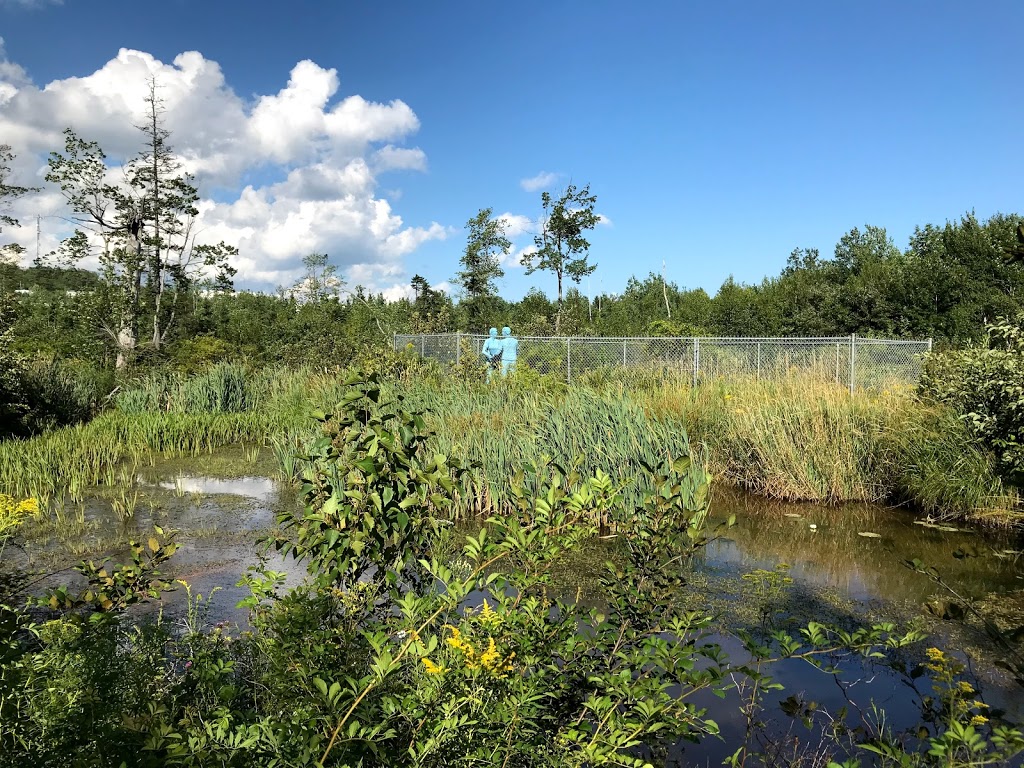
point(734, 339)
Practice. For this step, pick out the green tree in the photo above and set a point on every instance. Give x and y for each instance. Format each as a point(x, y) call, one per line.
point(806, 296)
point(481, 264)
point(431, 310)
point(320, 281)
point(8, 194)
point(145, 227)
point(735, 310)
point(561, 246)
point(109, 213)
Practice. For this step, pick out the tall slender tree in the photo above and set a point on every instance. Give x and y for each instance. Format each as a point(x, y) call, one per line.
point(166, 198)
point(320, 281)
point(146, 227)
point(561, 246)
point(481, 262)
point(109, 212)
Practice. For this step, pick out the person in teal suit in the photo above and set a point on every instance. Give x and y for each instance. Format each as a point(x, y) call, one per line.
point(491, 351)
point(509, 350)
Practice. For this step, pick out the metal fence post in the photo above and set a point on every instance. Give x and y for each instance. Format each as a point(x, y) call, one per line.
point(458, 347)
point(853, 360)
point(394, 341)
point(929, 344)
point(623, 353)
point(568, 361)
point(759, 361)
point(696, 360)
point(423, 345)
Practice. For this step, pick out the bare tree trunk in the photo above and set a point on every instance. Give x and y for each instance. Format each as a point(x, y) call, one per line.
point(664, 291)
point(558, 315)
point(128, 333)
point(155, 282)
point(125, 345)
point(157, 335)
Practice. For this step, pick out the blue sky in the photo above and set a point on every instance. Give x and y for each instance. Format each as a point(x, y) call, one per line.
point(716, 136)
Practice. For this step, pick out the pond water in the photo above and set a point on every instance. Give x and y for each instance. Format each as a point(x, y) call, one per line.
point(826, 547)
point(838, 573)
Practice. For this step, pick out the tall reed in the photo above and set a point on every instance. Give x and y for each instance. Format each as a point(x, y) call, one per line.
point(802, 439)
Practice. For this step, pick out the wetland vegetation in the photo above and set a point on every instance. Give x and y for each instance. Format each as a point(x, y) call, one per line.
point(408, 641)
point(334, 554)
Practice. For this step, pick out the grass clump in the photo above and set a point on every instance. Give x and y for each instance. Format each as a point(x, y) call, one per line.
point(802, 439)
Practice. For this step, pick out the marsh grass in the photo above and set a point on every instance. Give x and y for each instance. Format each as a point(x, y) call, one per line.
point(125, 503)
point(797, 438)
point(802, 439)
point(96, 453)
point(507, 430)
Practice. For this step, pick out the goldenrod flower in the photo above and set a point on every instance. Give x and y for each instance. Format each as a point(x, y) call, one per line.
point(979, 720)
point(29, 507)
point(432, 668)
point(13, 513)
point(457, 642)
point(490, 658)
point(965, 687)
point(489, 618)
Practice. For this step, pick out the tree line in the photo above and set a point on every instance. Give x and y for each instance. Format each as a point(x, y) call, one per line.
point(946, 284)
point(162, 295)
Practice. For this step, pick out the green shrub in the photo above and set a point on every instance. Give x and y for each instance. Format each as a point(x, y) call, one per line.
point(985, 385)
point(64, 393)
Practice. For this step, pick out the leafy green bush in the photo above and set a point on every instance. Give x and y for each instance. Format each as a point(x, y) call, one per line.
point(41, 394)
point(199, 352)
point(985, 385)
point(14, 404)
point(64, 393)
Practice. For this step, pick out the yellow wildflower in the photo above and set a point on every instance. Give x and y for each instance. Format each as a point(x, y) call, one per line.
point(457, 642)
point(432, 668)
point(935, 654)
point(965, 687)
point(979, 720)
point(490, 658)
point(488, 617)
point(29, 507)
point(13, 513)
point(979, 705)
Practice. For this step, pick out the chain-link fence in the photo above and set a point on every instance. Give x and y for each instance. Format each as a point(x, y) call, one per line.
point(851, 361)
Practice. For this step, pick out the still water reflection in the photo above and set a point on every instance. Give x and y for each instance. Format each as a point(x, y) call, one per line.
point(824, 548)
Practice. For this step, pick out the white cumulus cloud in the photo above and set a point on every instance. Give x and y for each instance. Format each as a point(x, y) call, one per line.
point(517, 225)
point(515, 258)
point(540, 181)
point(391, 158)
point(316, 153)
